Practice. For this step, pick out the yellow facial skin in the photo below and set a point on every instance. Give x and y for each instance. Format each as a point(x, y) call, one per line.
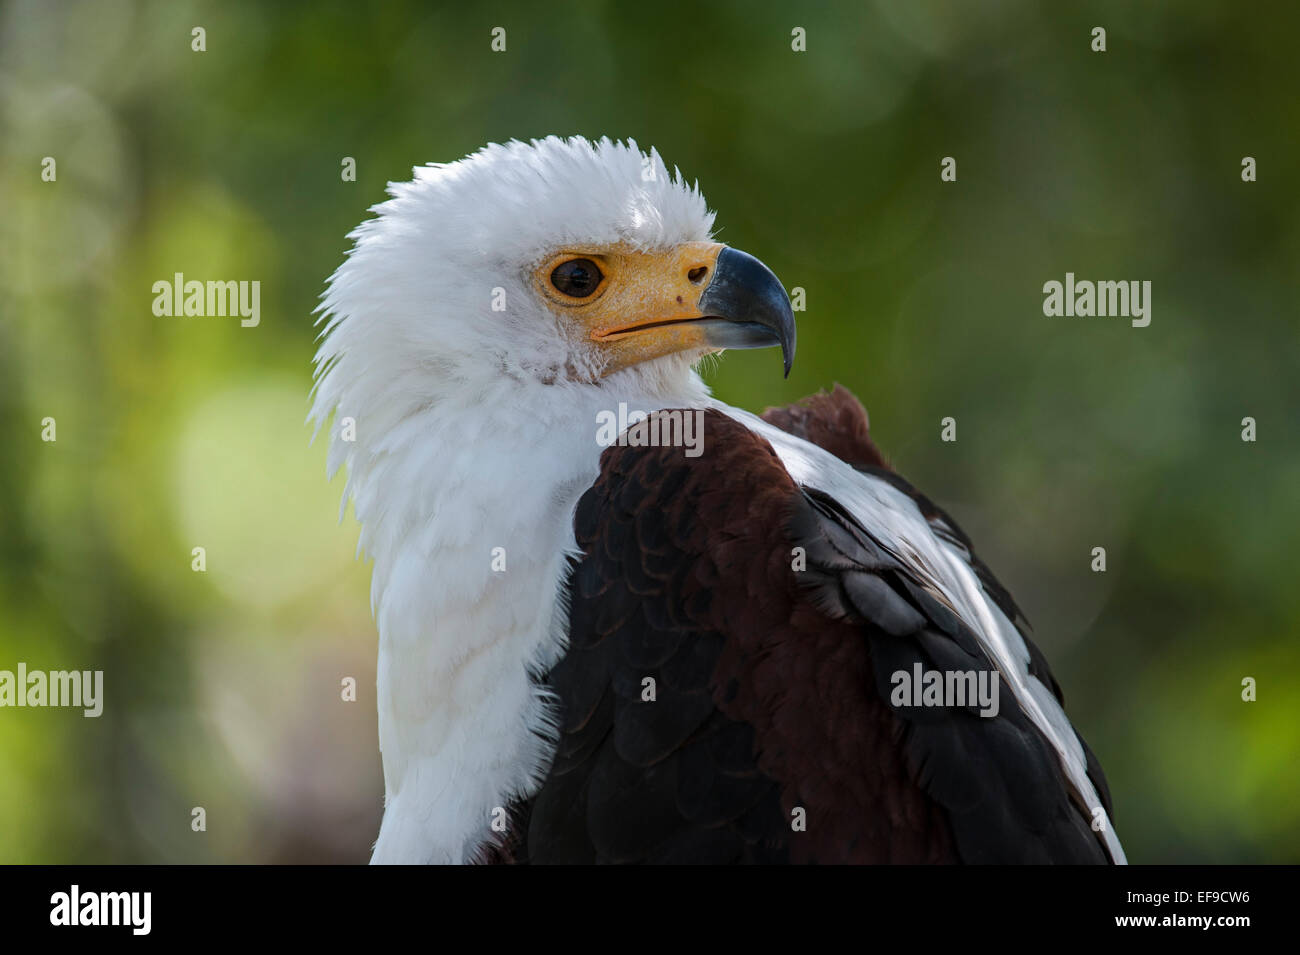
point(639, 292)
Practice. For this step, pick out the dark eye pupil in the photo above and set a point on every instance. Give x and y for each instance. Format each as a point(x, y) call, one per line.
point(577, 277)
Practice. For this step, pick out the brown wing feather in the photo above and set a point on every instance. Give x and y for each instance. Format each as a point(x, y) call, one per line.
point(773, 685)
point(832, 420)
point(686, 578)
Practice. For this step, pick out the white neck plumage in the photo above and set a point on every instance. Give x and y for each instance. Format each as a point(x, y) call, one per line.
point(468, 512)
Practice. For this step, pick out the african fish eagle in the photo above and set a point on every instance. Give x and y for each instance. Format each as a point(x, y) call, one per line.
point(619, 652)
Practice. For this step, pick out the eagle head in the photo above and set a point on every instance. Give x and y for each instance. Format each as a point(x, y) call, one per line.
point(557, 260)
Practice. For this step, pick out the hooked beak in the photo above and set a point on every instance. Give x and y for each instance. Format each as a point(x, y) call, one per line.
point(745, 306)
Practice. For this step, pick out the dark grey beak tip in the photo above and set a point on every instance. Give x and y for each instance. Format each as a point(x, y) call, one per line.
point(754, 303)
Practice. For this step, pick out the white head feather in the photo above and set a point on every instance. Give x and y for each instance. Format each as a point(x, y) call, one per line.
point(471, 434)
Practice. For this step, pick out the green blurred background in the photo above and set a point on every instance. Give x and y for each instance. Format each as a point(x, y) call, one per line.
point(925, 298)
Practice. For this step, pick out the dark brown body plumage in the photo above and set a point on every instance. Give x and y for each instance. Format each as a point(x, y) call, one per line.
point(771, 737)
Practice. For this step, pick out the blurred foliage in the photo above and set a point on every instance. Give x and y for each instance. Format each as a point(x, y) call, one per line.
point(923, 297)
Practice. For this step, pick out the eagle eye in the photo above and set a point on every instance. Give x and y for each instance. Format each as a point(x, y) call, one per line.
point(577, 278)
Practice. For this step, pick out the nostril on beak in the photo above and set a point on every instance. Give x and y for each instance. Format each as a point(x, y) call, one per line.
point(696, 275)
